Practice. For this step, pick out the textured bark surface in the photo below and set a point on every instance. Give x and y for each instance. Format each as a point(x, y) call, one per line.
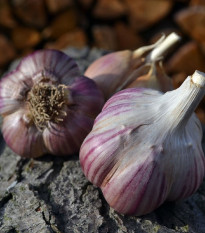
point(51, 194)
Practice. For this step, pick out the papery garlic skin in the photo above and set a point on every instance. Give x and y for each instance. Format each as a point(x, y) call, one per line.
point(140, 68)
point(145, 147)
point(112, 70)
point(50, 81)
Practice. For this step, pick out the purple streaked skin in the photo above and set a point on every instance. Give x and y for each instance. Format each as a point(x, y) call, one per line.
point(118, 70)
point(91, 163)
point(118, 199)
point(16, 133)
point(114, 69)
point(112, 63)
point(83, 104)
point(31, 69)
point(138, 190)
point(136, 170)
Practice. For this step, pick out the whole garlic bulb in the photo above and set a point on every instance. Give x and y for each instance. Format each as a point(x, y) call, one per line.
point(145, 147)
point(47, 105)
point(140, 68)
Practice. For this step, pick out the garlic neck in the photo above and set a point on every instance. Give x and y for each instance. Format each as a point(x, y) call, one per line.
point(182, 102)
point(158, 50)
point(162, 48)
point(46, 103)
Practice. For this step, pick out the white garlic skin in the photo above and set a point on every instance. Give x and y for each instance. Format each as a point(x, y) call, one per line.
point(145, 148)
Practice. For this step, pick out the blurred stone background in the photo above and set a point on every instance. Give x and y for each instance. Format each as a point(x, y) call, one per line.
point(28, 25)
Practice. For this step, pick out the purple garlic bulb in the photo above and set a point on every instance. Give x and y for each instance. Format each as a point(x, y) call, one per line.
point(140, 68)
point(47, 105)
point(145, 147)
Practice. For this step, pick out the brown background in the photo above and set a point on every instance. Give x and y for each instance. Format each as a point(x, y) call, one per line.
point(28, 25)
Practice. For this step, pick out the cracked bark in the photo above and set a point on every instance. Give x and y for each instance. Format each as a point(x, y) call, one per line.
point(51, 194)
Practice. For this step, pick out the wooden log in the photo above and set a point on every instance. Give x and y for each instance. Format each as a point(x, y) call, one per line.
point(6, 17)
point(25, 37)
point(109, 9)
point(192, 21)
point(31, 12)
point(75, 38)
point(187, 59)
point(7, 51)
point(104, 37)
point(61, 24)
point(143, 14)
point(57, 6)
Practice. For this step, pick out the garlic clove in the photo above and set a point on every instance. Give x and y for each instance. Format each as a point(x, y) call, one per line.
point(117, 70)
point(145, 147)
point(23, 138)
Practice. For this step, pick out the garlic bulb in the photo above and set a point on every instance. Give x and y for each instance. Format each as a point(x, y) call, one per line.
point(118, 70)
point(145, 147)
point(47, 105)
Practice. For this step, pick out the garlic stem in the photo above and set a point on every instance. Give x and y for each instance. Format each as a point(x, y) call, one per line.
point(163, 47)
point(140, 51)
point(185, 99)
